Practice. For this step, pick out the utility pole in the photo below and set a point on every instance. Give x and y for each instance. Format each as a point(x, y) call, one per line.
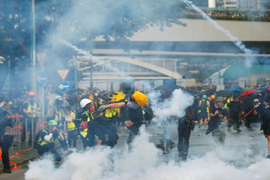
point(34, 84)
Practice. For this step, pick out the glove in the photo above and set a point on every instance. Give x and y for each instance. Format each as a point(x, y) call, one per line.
point(256, 103)
point(101, 108)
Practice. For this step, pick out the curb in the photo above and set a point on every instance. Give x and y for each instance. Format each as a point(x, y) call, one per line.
point(25, 161)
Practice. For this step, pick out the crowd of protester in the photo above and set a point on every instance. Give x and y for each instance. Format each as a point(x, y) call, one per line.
point(93, 117)
point(230, 15)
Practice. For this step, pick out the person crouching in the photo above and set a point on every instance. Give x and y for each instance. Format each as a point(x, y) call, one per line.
point(44, 140)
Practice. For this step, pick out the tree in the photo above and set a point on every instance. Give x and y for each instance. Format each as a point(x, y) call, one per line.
point(74, 20)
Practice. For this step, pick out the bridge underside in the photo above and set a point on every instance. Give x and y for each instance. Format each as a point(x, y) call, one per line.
point(262, 47)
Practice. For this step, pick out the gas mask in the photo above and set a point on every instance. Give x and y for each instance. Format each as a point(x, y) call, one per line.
point(220, 105)
point(132, 105)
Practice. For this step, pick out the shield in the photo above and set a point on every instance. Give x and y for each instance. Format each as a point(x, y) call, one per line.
point(246, 93)
point(116, 96)
point(169, 88)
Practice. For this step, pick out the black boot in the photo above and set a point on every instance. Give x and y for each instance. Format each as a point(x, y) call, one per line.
point(6, 170)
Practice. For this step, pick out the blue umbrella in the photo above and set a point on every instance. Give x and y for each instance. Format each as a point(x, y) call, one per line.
point(239, 89)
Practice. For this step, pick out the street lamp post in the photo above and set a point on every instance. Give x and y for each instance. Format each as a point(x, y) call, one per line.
point(91, 66)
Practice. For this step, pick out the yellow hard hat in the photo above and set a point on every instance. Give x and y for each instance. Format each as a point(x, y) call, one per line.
point(140, 98)
point(213, 96)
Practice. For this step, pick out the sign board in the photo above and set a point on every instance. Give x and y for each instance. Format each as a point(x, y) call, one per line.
point(186, 82)
point(217, 81)
point(63, 73)
point(63, 86)
point(41, 78)
point(180, 82)
point(41, 58)
point(220, 87)
point(242, 82)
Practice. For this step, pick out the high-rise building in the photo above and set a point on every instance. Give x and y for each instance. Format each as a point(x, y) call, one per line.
point(246, 4)
point(231, 3)
point(212, 3)
point(263, 4)
point(249, 4)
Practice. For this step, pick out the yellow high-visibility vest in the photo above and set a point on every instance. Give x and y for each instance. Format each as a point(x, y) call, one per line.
point(58, 117)
point(84, 132)
point(108, 113)
point(33, 109)
point(88, 117)
point(71, 125)
point(42, 142)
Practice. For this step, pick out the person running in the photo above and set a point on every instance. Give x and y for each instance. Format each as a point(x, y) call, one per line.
point(204, 106)
point(235, 111)
point(217, 113)
point(136, 118)
point(185, 125)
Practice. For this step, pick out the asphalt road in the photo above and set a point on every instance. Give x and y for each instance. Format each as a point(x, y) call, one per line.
point(199, 145)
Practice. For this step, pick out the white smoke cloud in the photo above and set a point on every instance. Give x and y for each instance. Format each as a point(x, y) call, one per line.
point(174, 106)
point(144, 163)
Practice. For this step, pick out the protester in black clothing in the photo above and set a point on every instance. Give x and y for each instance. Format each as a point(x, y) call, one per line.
point(217, 112)
point(86, 117)
point(248, 106)
point(124, 115)
point(5, 140)
point(105, 129)
point(264, 110)
point(235, 110)
point(185, 125)
point(148, 113)
point(136, 117)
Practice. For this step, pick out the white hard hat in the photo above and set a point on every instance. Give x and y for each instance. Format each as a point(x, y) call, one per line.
point(84, 102)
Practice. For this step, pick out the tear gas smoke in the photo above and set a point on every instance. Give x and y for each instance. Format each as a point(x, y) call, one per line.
point(174, 106)
point(235, 40)
point(143, 163)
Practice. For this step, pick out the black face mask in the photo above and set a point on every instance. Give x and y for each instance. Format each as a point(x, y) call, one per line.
point(130, 99)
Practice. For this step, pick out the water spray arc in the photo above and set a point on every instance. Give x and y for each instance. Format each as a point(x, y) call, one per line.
point(122, 74)
point(232, 38)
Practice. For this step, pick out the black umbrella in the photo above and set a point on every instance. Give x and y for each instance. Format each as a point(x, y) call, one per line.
point(75, 91)
point(169, 88)
point(207, 92)
point(224, 93)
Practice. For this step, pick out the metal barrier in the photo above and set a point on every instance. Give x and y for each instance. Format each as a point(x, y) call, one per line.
point(17, 117)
